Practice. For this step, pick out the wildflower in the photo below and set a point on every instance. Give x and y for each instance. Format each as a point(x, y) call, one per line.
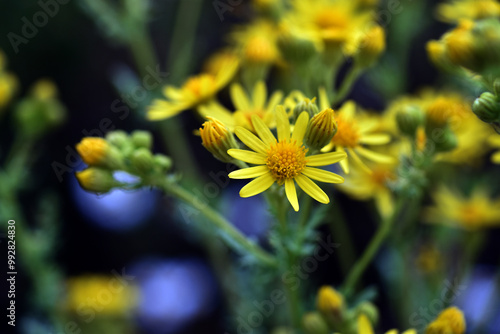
point(96, 151)
point(472, 213)
point(217, 139)
point(282, 161)
point(495, 142)
point(352, 133)
point(456, 10)
point(367, 45)
point(330, 302)
point(84, 289)
point(451, 320)
point(487, 107)
point(256, 42)
point(246, 106)
point(195, 91)
point(321, 129)
point(96, 180)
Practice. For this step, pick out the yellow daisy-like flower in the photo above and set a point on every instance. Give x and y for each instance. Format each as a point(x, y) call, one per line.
point(246, 106)
point(355, 131)
point(283, 161)
point(453, 11)
point(256, 42)
point(196, 90)
point(477, 211)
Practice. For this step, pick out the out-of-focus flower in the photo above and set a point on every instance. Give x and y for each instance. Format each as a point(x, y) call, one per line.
point(217, 139)
point(256, 42)
point(367, 45)
point(314, 323)
point(246, 106)
point(456, 10)
point(330, 303)
point(451, 208)
point(451, 320)
point(97, 180)
point(495, 142)
point(283, 161)
point(104, 293)
point(429, 259)
point(219, 60)
point(195, 91)
point(354, 131)
point(96, 151)
point(8, 83)
point(365, 327)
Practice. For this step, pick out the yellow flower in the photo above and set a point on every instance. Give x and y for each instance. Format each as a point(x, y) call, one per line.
point(217, 61)
point(367, 45)
point(109, 296)
point(460, 44)
point(217, 139)
point(450, 321)
point(354, 131)
point(196, 90)
point(283, 161)
point(44, 89)
point(455, 10)
point(321, 130)
point(472, 213)
point(365, 327)
point(330, 302)
point(96, 180)
point(93, 150)
point(256, 42)
point(246, 106)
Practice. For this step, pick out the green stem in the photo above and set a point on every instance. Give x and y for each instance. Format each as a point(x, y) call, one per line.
point(306, 211)
point(347, 83)
point(219, 221)
point(340, 231)
point(378, 239)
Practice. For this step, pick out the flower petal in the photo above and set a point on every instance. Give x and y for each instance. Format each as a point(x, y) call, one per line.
point(374, 156)
point(323, 99)
point(260, 184)
point(259, 95)
point(291, 194)
point(275, 98)
point(358, 161)
point(344, 163)
point(282, 123)
point(248, 173)
point(375, 139)
point(322, 175)
point(216, 110)
point(300, 127)
point(325, 159)
point(495, 158)
point(312, 189)
point(161, 109)
point(239, 97)
point(248, 156)
point(262, 130)
point(250, 140)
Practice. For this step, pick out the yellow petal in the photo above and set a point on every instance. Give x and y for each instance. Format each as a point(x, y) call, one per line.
point(375, 139)
point(173, 93)
point(250, 140)
point(495, 158)
point(260, 184)
point(410, 331)
point(344, 163)
point(248, 173)
point(348, 110)
point(262, 130)
point(216, 110)
point(374, 156)
point(358, 161)
point(325, 159)
point(239, 97)
point(248, 156)
point(275, 98)
point(283, 124)
point(259, 95)
point(300, 127)
point(312, 189)
point(392, 331)
point(226, 74)
point(291, 194)
point(162, 110)
point(323, 99)
point(364, 325)
point(322, 175)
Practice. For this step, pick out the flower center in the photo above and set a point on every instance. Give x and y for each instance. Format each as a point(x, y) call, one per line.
point(260, 49)
point(347, 134)
point(201, 86)
point(286, 160)
point(470, 215)
point(331, 18)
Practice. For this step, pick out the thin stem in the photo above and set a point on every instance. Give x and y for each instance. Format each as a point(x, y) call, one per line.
point(347, 83)
point(378, 239)
point(306, 211)
point(219, 221)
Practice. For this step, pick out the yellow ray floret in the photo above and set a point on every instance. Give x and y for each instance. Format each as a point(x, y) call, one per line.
point(283, 160)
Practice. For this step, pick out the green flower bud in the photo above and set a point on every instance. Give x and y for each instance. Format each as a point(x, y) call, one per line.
point(142, 161)
point(163, 162)
point(409, 119)
point(321, 129)
point(487, 107)
point(444, 139)
point(35, 117)
point(306, 105)
point(369, 310)
point(295, 47)
point(96, 180)
point(117, 138)
point(314, 323)
point(142, 139)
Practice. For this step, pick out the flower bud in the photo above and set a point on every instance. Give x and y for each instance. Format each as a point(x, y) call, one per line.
point(36, 116)
point(487, 107)
point(330, 303)
point(217, 139)
point(321, 129)
point(451, 320)
point(117, 138)
point(314, 323)
point(306, 105)
point(438, 112)
point(44, 89)
point(96, 180)
point(296, 46)
point(372, 44)
point(444, 139)
point(96, 151)
point(460, 46)
point(8, 87)
point(409, 119)
point(142, 161)
point(142, 139)
point(163, 162)
point(369, 310)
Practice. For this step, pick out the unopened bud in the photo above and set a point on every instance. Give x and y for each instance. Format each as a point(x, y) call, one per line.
point(142, 139)
point(96, 151)
point(96, 180)
point(487, 107)
point(331, 304)
point(306, 105)
point(314, 323)
point(322, 127)
point(217, 139)
point(409, 119)
point(142, 161)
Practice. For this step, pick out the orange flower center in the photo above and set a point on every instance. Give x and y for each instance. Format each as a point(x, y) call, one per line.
point(201, 86)
point(331, 18)
point(260, 49)
point(347, 134)
point(286, 160)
